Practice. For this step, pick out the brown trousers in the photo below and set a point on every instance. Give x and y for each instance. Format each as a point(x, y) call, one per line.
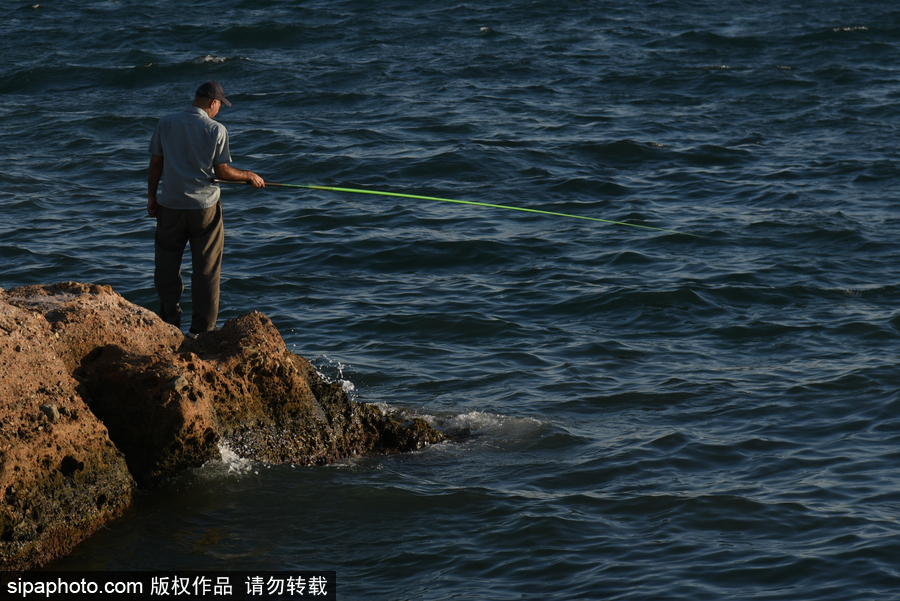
point(204, 230)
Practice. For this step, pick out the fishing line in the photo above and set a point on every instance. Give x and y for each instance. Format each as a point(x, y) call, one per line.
point(462, 202)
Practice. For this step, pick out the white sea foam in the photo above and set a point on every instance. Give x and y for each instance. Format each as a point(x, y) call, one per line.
point(345, 383)
point(500, 426)
point(209, 58)
point(477, 423)
point(228, 464)
point(232, 461)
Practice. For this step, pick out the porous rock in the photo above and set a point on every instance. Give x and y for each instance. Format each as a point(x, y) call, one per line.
point(60, 475)
point(97, 394)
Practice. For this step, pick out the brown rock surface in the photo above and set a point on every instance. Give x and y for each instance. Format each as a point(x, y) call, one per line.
point(90, 384)
point(60, 476)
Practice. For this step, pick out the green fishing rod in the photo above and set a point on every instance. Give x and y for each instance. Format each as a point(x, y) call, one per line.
point(462, 202)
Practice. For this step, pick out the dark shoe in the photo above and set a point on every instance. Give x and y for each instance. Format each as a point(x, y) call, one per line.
point(193, 335)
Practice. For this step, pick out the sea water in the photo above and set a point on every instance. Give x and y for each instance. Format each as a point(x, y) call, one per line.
point(653, 415)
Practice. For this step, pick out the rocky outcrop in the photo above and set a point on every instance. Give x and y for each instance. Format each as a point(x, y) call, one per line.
point(98, 395)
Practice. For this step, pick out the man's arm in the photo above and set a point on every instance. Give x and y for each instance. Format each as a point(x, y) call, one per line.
point(225, 171)
point(156, 169)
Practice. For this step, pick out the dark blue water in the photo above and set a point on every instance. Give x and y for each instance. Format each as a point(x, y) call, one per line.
point(656, 416)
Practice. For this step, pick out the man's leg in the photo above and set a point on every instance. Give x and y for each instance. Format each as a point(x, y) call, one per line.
point(171, 237)
point(207, 245)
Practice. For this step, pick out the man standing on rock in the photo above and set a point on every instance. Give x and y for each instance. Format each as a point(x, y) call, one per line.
point(188, 150)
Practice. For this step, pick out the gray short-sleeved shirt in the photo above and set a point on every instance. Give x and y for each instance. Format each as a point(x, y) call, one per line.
point(190, 144)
